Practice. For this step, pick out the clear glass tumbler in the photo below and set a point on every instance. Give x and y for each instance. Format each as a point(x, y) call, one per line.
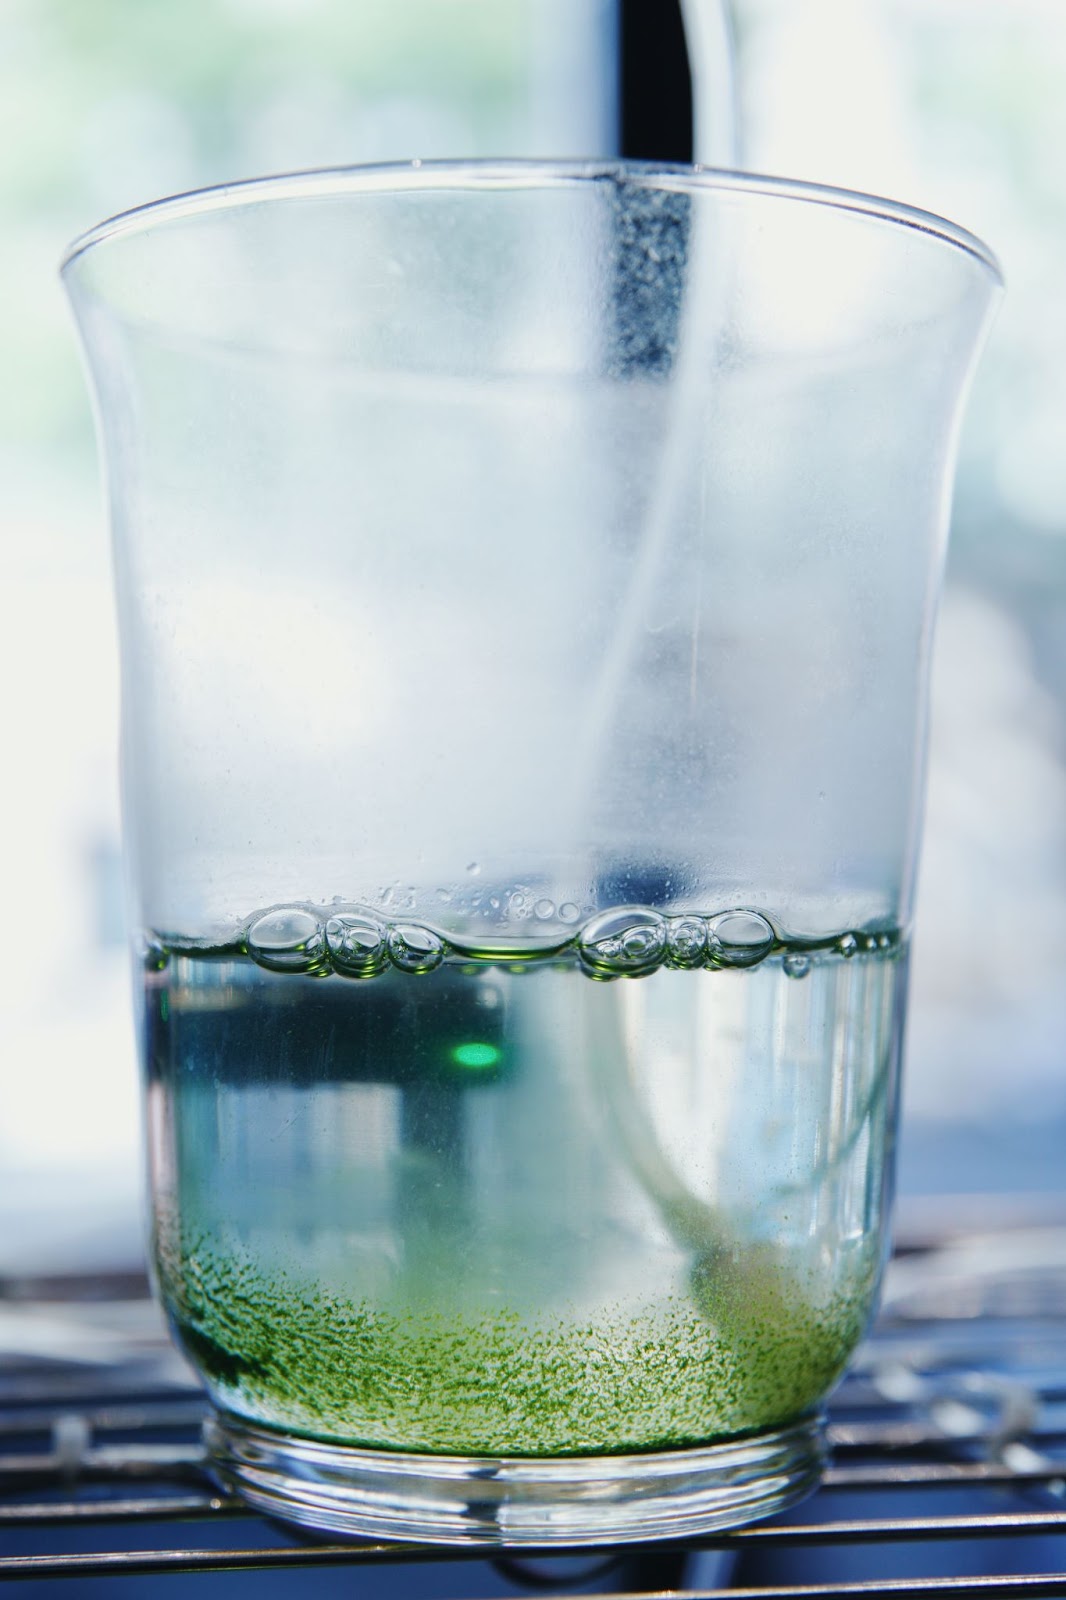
point(525, 581)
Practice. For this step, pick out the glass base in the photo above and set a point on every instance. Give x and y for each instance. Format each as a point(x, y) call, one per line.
point(533, 1502)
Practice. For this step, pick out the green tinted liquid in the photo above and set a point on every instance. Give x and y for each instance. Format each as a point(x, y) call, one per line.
point(484, 1210)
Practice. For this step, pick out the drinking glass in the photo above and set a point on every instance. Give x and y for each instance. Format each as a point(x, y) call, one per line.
point(525, 582)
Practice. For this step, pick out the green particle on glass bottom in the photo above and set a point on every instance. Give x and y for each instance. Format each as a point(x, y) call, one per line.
point(748, 1347)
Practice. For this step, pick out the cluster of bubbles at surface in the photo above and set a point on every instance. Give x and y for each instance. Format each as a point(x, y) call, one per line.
point(627, 941)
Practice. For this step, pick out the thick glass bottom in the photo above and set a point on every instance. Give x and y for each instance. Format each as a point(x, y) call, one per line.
point(532, 1502)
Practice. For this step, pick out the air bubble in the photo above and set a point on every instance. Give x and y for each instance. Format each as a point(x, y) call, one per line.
point(519, 904)
point(568, 912)
point(624, 941)
point(289, 939)
point(154, 955)
point(686, 941)
point(796, 964)
point(847, 945)
point(544, 909)
point(739, 939)
point(357, 944)
point(473, 867)
point(413, 948)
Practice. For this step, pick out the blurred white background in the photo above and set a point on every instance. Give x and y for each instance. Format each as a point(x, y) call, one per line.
point(956, 105)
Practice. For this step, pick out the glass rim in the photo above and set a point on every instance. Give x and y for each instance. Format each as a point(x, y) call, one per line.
point(398, 177)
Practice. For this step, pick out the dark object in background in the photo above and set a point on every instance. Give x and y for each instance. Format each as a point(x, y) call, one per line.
point(654, 82)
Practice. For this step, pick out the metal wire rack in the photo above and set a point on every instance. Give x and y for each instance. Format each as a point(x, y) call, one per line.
point(948, 1475)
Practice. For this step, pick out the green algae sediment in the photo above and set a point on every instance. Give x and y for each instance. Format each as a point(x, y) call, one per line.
point(745, 1352)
